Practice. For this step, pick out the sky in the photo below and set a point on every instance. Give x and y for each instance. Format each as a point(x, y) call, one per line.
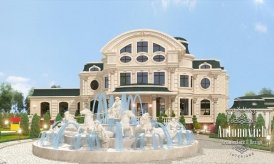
point(46, 42)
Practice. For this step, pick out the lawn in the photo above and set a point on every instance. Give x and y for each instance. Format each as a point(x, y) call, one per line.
point(12, 137)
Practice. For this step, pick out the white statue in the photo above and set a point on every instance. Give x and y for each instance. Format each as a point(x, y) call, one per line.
point(173, 127)
point(68, 117)
point(88, 121)
point(114, 111)
point(125, 121)
point(145, 123)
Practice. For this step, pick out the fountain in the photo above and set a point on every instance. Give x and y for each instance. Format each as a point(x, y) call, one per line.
point(115, 134)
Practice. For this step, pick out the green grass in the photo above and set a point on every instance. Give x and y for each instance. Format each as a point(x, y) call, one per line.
point(7, 138)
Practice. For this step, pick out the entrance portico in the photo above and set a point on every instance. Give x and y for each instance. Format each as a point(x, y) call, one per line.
point(156, 100)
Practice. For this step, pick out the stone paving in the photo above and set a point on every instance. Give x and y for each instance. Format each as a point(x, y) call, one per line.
point(212, 151)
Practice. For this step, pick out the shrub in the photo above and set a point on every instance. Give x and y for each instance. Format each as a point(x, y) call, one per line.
point(221, 120)
point(182, 120)
point(35, 126)
point(173, 114)
point(24, 124)
point(196, 124)
point(58, 117)
point(260, 122)
point(77, 113)
point(47, 119)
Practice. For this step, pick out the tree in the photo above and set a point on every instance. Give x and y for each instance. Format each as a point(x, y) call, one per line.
point(172, 114)
point(6, 95)
point(77, 113)
point(266, 91)
point(55, 86)
point(24, 124)
point(182, 120)
point(221, 120)
point(35, 126)
point(27, 101)
point(47, 119)
point(58, 117)
point(18, 100)
point(250, 93)
point(260, 122)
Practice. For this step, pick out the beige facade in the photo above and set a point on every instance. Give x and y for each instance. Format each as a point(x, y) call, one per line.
point(154, 65)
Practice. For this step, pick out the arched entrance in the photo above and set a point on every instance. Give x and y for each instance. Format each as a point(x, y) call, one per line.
point(44, 108)
point(63, 106)
point(95, 107)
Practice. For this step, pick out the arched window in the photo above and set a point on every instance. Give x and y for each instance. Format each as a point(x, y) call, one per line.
point(94, 68)
point(63, 106)
point(205, 107)
point(126, 49)
point(125, 59)
point(157, 47)
point(45, 106)
point(205, 66)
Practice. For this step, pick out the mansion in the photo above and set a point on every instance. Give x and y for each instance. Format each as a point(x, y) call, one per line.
point(152, 64)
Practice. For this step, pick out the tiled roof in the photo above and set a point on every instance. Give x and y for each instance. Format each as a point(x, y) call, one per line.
point(254, 102)
point(213, 63)
point(88, 65)
point(56, 92)
point(141, 88)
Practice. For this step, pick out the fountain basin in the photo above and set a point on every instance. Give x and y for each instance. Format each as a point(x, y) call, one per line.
point(111, 155)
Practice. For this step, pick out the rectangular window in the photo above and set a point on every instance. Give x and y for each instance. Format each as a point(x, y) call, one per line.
point(191, 83)
point(106, 82)
point(159, 78)
point(184, 81)
point(125, 79)
point(142, 77)
point(142, 47)
point(183, 106)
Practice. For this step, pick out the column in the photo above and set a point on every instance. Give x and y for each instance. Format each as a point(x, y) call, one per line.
point(153, 107)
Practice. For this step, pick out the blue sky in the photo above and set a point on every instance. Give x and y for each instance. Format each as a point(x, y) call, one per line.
point(45, 42)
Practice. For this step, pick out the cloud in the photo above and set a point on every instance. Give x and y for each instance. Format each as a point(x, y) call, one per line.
point(259, 2)
point(166, 4)
point(260, 27)
point(19, 83)
point(2, 74)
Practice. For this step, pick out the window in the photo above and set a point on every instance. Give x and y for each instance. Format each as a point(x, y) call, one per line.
point(159, 58)
point(184, 81)
point(142, 47)
point(191, 82)
point(142, 58)
point(157, 47)
point(205, 66)
point(205, 83)
point(126, 49)
point(159, 78)
point(205, 107)
point(106, 82)
point(124, 79)
point(142, 78)
point(183, 106)
point(94, 68)
point(125, 59)
point(94, 84)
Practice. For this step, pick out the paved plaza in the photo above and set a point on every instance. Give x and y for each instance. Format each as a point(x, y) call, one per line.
point(212, 151)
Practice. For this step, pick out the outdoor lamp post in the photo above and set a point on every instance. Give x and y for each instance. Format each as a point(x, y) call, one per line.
point(45, 126)
point(268, 138)
point(19, 133)
point(6, 122)
point(205, 128)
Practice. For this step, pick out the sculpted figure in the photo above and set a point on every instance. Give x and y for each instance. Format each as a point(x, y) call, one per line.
point(145, 123)
point(114, 111)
